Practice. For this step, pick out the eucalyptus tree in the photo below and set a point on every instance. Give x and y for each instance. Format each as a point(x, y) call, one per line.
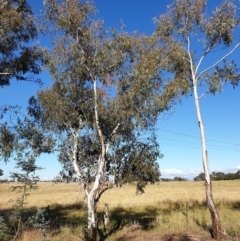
point(199, 46)
point(93, 106)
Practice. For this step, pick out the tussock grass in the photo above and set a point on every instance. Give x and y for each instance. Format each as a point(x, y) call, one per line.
point(167, 208)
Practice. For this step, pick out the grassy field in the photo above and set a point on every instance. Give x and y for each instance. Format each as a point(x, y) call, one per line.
point(167, 211)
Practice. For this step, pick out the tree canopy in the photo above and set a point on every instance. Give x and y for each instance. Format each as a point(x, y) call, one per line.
point(19, 58)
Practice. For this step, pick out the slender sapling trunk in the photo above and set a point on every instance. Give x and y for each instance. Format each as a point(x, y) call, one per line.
point(216, 224)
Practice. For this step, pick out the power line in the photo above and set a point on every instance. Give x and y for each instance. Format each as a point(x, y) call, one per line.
point(226, 147)
point(178, 133)
point(194, 147)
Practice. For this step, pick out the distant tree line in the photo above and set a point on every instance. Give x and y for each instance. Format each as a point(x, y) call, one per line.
point(218, 176)
point(175, 179)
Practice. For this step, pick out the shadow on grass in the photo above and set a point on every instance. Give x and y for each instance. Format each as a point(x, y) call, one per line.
point(59, 216)
point(143, 219)
point(71, 215)
point(74, 216)
point(230, 204)
point(203, 225)
point(159, 237)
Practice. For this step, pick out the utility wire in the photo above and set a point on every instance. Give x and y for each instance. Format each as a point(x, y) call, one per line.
point(178, 133)
point(227, 147)
point(194, 147)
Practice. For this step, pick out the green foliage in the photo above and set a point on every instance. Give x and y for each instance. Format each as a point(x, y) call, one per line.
point(175, 179)
point(17, 29)
point(221, 25)
point(28, 143)
point(4, 230)
point(96, 103)
point(7, 139)
point(180, 179)
point(40, 221)
point(19, 59)
point(134, 161)
point(200, 177)
point(181, 26)
point(28, 182)
point(218, 176)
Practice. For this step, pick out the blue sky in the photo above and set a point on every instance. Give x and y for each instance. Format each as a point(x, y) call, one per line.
point(178, 132)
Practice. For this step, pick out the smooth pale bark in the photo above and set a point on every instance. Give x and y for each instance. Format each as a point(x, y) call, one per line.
point(90, 194)
point(93, 194)
point(92, 217)
point(216, 224)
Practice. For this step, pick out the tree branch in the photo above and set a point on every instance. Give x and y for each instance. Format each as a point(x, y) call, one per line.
point(74, 151)
point(220, 60)
point(202, 95)
point(203, 56)
point(3, 4)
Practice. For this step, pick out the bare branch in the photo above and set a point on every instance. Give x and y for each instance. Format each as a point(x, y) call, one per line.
point(203, 94)
point(204, 55)
point(115, 130)
point(220, 60)
point(3, 4)
point(4, 73)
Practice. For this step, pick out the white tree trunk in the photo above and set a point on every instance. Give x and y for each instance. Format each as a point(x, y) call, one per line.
point(92, 217)
point(92, 192)
point(216, 224)
point(202, 133)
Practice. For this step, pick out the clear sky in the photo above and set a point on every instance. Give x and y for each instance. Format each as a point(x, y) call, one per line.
point(178, 132)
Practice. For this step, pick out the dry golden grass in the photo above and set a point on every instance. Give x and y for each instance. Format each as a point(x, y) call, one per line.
point(46, 194)
point(64, 194)
point(166, 208)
